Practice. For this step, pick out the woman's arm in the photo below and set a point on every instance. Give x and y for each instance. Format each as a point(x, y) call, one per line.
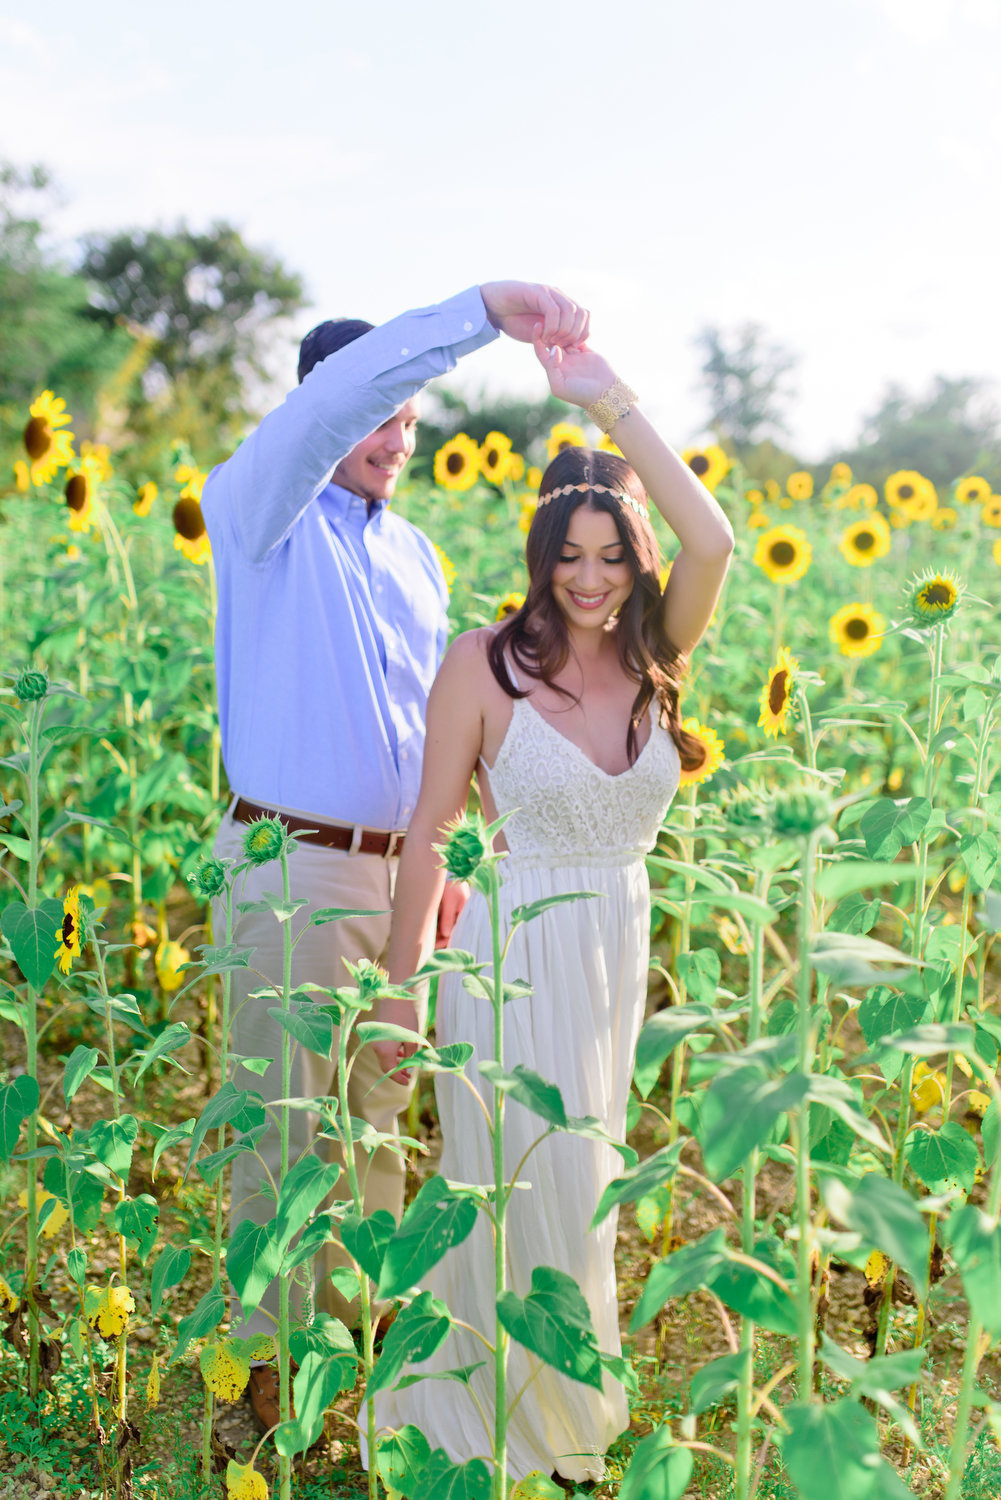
point(580, 376)
point(451, 750)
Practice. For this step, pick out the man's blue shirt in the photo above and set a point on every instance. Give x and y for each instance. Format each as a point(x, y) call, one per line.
point(332, 612)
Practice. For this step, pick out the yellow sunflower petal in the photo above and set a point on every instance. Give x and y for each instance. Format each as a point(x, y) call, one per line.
point(564, 435)
point(857, 629)
point(714, 753)
point(776, 695)
point(457, 463)
point(783, 553)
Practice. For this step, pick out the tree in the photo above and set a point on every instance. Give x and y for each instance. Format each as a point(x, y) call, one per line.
point(206, 304)
point(952, 430)
point(742, 374)
point(51, 339)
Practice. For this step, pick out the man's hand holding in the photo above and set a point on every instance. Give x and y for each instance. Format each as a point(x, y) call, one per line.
point(528, 311)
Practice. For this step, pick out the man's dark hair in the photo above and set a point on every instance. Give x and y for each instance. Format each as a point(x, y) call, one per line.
point(328, 337)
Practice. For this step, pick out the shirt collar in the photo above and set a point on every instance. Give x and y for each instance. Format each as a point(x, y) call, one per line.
point(340, 504)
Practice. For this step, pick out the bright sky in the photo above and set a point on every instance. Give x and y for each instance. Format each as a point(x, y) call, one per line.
point(829, 171)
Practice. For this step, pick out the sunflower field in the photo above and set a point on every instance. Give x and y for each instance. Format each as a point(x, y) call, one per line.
point(809, 1205)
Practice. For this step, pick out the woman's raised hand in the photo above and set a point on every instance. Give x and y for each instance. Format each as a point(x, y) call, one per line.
point(576, 374)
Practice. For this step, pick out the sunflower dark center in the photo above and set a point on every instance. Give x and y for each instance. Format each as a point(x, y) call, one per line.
point(493, 458)
point(699, 464)
point(783, 553)
point(777, 692)
point(906, 492)
point(69, 927)
point(188, 520)
point(455, 463)
point(856, 629)
point(566, 443)
point(937, 593)
point(864, 541)
point(77, 492)
point(37, 438)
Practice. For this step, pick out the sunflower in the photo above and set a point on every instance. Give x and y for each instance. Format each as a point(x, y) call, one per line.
point(776, 695)
point(783, 553)
point(57, 1216)
point(713, 753)
point(564, 435)
point(192, 479)
point(529, 505)
point(515, 468)
point(495, 457)
point(758, 518)
point(857, 629)
point(447, 566)
point(863, 541)
point(754, 498)
point(927, 1088)
point(858, 497)
point(169, 959)
point(912, 493)
point(800, 485)
point(81, 494)
point(100, 453)
point(973, 490)
point(665, 574)
point(841, 474)
point(22, 476)
point(990, 512)
point(191, 536)
point(933, 597)
point(607, 446)
point(772, 490)
point(944, 518)
point(709, 464)
point(509, 605)
point(145, 495)
point(457, 464)
point(996, 552)
point(48, 446)
point(68, 932)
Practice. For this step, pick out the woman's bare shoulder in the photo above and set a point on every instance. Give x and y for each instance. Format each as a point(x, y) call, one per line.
point(466, 665)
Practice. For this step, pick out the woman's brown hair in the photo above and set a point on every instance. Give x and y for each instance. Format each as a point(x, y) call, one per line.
point(536, 635)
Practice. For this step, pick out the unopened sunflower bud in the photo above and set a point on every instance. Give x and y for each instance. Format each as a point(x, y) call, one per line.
point(800, 810)
point(463, 850)
point(264, 840)
point(208, 877)
point(31, 685)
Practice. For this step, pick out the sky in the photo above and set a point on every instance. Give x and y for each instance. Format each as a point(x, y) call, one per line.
point(828, 171)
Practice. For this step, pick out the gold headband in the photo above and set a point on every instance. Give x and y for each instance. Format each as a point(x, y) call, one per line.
point(598, 489)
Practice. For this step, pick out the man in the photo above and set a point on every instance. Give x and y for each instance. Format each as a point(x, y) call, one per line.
point(331, 624)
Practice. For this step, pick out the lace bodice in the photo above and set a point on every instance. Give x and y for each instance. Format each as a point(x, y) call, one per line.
point(569, 808)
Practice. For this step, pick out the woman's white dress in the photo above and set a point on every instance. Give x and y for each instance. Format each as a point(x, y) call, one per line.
point(574, 827)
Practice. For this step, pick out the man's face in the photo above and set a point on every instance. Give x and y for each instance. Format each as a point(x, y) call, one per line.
point(373, 466)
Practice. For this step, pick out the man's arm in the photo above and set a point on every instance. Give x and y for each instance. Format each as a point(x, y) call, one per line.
point(256, 497)
point(258, 494)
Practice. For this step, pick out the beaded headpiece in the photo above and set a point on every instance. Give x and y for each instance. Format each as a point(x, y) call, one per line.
point(598, 489)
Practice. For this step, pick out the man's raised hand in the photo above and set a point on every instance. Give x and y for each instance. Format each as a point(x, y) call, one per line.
point(528, 311)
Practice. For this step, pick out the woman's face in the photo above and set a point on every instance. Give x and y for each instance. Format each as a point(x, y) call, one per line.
point(592, 578)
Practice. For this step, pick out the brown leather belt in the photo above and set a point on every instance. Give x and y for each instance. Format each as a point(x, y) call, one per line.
point(331, 835)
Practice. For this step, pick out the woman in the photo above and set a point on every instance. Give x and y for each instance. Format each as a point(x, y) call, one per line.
point(567, 714)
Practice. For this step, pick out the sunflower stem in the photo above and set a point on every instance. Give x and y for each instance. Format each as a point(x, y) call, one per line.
point(678, 1059)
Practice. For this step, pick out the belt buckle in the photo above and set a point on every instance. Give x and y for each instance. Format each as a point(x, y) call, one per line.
point(392, 842)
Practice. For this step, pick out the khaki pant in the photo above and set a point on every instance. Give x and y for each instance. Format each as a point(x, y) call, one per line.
point(325, 877)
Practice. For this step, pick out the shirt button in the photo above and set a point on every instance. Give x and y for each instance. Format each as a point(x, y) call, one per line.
point(467, 327)
point(404, 351)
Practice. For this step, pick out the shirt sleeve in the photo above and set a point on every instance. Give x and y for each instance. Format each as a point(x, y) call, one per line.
point(254, 499)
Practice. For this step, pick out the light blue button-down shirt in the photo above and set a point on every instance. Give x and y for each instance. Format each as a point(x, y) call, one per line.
point(331, 620)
